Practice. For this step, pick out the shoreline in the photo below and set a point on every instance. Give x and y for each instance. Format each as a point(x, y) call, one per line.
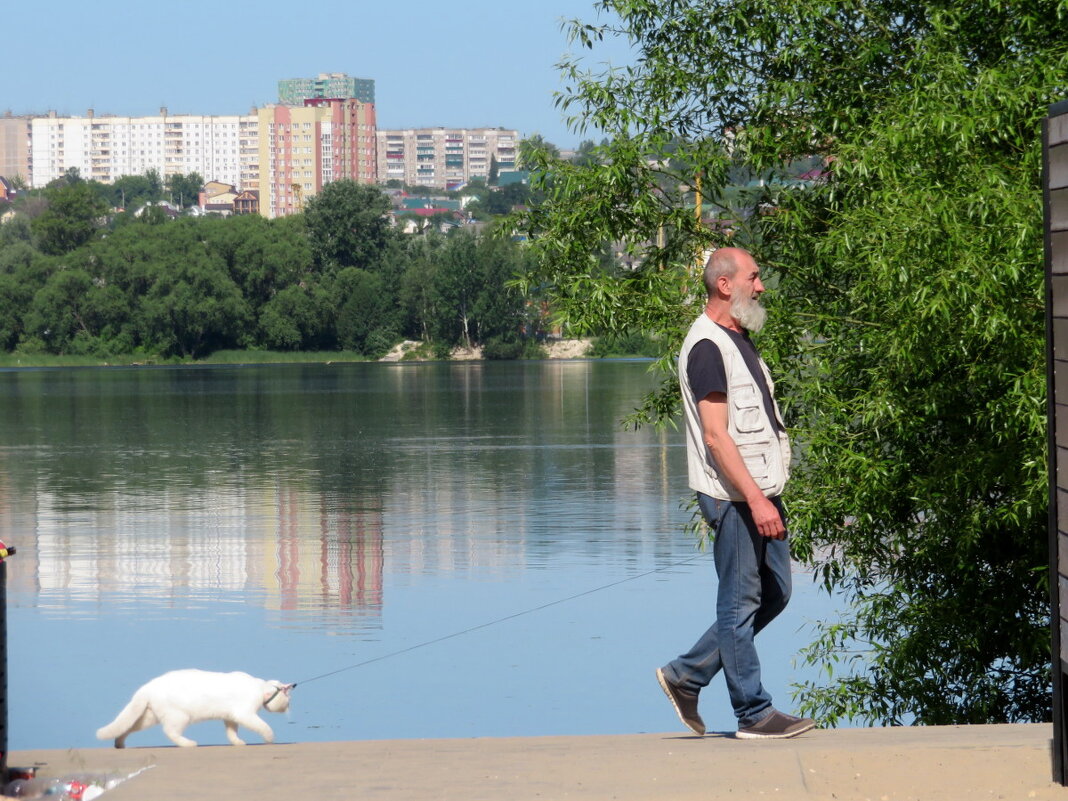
point(404, 351)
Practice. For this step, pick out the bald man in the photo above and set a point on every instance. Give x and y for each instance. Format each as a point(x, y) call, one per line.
point(738, 458)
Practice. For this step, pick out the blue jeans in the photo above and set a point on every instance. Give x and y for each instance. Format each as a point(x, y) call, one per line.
point(754, 586)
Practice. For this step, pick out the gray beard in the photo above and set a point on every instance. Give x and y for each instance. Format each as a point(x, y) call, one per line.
point(749, 313)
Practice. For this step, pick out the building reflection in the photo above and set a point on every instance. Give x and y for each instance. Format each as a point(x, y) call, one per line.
point(280, 546)
point(324, 558)
point(558, 478)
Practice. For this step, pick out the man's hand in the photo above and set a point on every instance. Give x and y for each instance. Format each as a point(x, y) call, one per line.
point(767, 518)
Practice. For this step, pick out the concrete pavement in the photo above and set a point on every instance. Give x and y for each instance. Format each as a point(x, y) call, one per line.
point(899, 764)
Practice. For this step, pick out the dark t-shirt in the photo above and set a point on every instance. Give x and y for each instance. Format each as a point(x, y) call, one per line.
point(707, 373)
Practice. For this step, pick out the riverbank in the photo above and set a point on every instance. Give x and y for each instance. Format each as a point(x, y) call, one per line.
point(404, 351)
point(947, 763)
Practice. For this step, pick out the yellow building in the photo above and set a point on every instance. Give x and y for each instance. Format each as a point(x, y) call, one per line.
point(302, 148)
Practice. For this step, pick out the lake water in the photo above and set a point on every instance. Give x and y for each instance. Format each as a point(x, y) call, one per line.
point(430, 550)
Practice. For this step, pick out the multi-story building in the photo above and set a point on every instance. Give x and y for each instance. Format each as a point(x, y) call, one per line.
point(294, 91)
point(302, 148)
point(107, 147)
point(15, 147)
point(444, 158)
point(248, 144)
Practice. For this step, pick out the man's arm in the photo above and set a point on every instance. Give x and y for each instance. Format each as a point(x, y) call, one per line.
point(712, 409)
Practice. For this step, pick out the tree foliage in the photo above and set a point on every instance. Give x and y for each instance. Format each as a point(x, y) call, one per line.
point(73, 282)
point(73, 216)
point(905, 290)
point(347, 224)
point(184, 190)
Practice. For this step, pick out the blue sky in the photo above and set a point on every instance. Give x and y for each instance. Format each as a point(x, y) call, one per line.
point(467, 64)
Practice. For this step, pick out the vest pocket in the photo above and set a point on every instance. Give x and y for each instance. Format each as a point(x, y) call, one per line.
point(755, 456)
point(747, 412)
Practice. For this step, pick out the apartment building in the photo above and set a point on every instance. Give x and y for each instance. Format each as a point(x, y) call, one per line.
point(15, 147)
point(294, 91)
point(302, 148)
point(107, 147)
point(444, 158)
point(248, 146)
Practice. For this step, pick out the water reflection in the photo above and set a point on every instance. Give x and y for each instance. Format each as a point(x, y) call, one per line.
point(298, 487)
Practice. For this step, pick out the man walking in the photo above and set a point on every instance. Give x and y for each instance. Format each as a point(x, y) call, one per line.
point(738, 458)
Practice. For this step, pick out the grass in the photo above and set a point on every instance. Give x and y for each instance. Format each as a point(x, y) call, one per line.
point(282, 357)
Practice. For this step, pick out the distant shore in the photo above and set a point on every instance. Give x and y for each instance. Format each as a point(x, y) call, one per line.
point(404, 351)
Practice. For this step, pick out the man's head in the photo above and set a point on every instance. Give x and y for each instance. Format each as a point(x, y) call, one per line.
point(732, 277)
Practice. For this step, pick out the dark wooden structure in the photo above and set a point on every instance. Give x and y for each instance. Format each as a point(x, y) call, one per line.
point(1055, 182)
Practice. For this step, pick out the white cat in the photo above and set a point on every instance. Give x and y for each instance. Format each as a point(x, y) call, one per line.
point(180, 697)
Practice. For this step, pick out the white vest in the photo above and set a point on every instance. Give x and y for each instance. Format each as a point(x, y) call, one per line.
point(765, 451)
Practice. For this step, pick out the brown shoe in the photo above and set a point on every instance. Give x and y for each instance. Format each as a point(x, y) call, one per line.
point(776, 726)
point(684, 701)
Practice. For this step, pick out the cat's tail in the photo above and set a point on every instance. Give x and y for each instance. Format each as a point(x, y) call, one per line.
point(129, 716)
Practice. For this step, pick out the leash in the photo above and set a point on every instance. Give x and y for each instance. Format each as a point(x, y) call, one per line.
point(266, 704)
point(504, 619)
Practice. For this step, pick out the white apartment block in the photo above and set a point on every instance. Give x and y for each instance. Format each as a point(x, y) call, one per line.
point(219, 148)
point(444, 158)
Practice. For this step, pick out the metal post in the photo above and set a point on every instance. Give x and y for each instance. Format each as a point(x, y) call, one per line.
point(3, 668)
point(5, 551)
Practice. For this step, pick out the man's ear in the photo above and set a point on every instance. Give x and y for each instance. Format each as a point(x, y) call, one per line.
point(723, 284)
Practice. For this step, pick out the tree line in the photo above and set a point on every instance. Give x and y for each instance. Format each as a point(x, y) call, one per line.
point(77, 278)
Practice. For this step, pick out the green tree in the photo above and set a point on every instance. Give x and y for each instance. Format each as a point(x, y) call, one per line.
point(73, 216)
point(186, 302)
point(535, 143)
point(133, 191)
point(906, 295)
point(70, 176)
point(262, 256)
point(73, 314)
point(365, 312)
point(417, 299)
point(153, 214)
point(499, 307)
point(193, 309)
point(347, 225)
point(586, 153)
point(298, 318)
point(456, 288)
point(504, 200)
point(14, 230)
point(155, 183)
point(15, 297)
point(184, 190)
point(467, 295)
